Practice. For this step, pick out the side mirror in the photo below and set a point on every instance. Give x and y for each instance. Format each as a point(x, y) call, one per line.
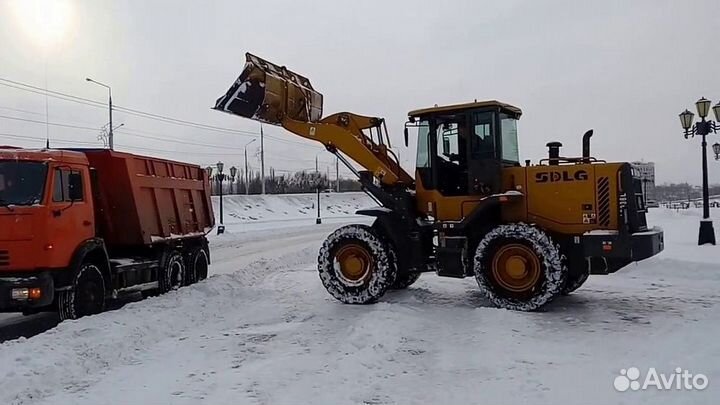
point(75, 186)
point(406, 137)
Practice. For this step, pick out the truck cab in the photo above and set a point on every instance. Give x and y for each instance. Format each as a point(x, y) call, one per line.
point(45, 213)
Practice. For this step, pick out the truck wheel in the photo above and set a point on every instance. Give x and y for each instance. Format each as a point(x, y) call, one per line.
point(575, 281)
point(172, 273)
point(196, 265)
point(519, 267)
point(86, 295)
point(354, 265)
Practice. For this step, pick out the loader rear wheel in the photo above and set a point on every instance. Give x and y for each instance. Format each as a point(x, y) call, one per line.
point(575, 281)
point(403, 281)
point(403, 278)
point(519, 267)
point(354, 265)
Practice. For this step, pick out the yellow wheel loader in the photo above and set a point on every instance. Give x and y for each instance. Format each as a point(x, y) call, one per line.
point(527, 233)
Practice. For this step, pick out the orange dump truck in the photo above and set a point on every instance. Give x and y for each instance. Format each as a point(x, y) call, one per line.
point(80, 226)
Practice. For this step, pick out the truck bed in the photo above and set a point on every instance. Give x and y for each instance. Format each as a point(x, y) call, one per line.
point(141, 200)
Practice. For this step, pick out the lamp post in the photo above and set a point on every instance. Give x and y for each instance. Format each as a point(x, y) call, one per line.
point(220, 176)
point(208, 172)
point(716, 149)
point(233, 172)
point(703, 128)
point(110, 135)
point(247, 175)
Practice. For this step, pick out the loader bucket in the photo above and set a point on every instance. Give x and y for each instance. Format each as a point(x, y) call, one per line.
point(268, 93)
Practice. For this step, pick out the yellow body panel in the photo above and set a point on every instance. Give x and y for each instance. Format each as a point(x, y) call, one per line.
point(567, 199)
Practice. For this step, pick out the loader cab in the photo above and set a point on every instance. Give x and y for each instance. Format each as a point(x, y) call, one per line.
point(462, 148)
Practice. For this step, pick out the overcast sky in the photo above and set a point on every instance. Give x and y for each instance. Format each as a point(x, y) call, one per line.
point(624, 68)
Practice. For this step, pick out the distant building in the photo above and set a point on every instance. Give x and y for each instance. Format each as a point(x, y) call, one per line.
point(645, 171)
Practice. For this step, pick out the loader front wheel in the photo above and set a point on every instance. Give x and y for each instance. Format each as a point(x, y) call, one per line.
point(519, 267)
point(354, 265)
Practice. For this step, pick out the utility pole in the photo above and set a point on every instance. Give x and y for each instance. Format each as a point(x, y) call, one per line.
point(262, 159)
point(337, 174)
point(110, 109)
point(247, 175)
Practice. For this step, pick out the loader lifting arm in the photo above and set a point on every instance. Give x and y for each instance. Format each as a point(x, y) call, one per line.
point(272, 94)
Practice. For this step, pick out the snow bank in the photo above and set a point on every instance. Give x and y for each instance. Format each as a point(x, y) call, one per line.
point(280, 207)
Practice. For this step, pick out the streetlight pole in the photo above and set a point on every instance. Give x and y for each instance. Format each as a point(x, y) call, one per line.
point(247, 175)
point(233, 172)
point(220, 176)
point(110, 109)
point(703, 128)
point(262, 160)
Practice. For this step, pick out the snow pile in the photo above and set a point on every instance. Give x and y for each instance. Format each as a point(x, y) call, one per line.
point(281, 207)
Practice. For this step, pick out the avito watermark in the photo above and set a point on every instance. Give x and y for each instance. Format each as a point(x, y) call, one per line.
point(679, 380)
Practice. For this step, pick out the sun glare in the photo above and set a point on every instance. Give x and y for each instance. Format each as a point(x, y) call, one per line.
point(45, 22)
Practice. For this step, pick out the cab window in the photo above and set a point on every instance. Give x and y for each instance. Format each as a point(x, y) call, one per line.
point(482, 144)
point(508, 132)
point(68, 186)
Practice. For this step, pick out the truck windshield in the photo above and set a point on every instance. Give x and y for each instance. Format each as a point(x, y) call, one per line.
point(21, 183)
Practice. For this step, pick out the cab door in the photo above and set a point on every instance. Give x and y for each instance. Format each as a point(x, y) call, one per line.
point(71, 212)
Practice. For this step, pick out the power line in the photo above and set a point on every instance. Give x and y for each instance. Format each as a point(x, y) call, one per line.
point(21, 111)
point(57, 124)
point(137, 113)
point(51, 93)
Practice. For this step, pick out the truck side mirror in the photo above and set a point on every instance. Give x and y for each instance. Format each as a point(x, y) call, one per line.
point(406, 137)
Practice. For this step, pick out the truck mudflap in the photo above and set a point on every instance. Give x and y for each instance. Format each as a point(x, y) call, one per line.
point(609, 251)
point(18, 292)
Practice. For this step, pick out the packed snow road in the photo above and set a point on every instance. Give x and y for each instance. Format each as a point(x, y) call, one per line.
point(263, 330)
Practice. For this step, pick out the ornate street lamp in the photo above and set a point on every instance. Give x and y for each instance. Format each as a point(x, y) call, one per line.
point(233, 172)
point(716, 149)
point(220, 177)
point(703, 128)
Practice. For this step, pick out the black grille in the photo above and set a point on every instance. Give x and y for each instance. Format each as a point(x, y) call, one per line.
point(603, 185)
point(4, 258)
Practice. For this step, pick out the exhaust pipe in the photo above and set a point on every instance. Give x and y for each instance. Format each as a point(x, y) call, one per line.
point(586, 146)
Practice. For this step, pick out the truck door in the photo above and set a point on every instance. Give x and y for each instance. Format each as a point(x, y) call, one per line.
point(71, 212)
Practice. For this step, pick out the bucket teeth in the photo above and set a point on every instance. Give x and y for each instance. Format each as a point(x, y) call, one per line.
point(269, 93)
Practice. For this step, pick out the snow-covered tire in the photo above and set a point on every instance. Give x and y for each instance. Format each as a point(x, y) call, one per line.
point(403, 279)
point(196, 265)
point(354, 265)
point(172, 272)
point(519, 267)
point(575, 281)
point(86, 296)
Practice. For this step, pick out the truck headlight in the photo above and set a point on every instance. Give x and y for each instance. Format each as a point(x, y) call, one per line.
point(24, 294)
point(20, 294)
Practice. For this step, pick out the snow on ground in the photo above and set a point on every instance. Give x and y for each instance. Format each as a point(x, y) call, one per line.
point(265, 331)
point(267, 209)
